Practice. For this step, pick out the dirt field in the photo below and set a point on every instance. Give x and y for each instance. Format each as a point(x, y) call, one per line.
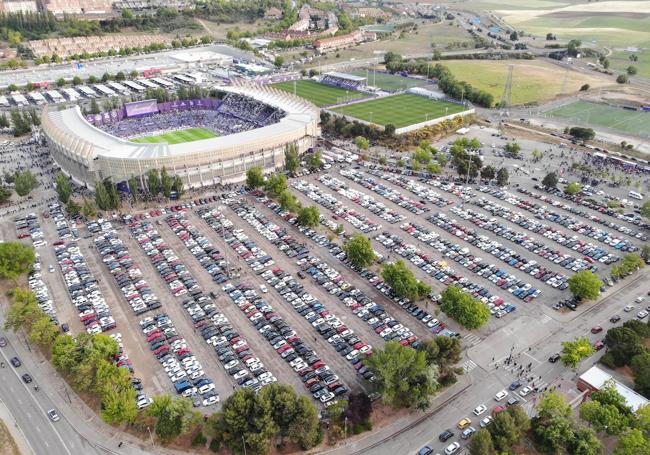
point(7, 444)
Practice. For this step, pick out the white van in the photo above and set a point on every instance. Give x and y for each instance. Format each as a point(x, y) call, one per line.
point(635, 195)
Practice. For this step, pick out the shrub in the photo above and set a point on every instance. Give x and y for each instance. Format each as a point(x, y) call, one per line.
point(215, 445)
point(608, 360)
point(199, 439)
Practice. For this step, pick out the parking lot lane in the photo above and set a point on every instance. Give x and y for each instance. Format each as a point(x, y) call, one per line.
point(236, 317)
point(304, 329)
point(144, 363)
point(172, 306)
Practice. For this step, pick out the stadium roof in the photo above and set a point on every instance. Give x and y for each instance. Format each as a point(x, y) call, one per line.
point(70, 122)
point(350, 77)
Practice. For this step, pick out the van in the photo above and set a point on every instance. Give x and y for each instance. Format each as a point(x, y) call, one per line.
point(635, 195)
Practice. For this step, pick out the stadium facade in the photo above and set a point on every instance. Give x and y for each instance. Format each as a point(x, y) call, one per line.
point(88, 154)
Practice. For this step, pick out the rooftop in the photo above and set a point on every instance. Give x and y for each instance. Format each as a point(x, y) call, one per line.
point(597, 378)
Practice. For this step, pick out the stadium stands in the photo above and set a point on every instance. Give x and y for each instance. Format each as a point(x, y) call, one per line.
point(344, 81)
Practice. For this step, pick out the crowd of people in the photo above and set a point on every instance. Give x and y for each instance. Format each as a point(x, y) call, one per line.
point(345, 84)
point(250, 110)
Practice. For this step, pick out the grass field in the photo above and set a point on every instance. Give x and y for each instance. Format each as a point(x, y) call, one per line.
point(176, 137)
point(319, 94)
point(389, 81)
point(531, 80)
point(594, 115)
point(399, 110)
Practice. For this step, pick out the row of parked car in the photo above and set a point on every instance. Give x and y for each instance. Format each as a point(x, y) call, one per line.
point(363, 199)
point(232, 350)
point(527, 241)
point(543, 212)
point(327, 200)
point(413, 206)
point(29, 227)
point(40, 290)
point(126, 272)
point(587, 249)
point(176, 358)
point(319, 379)
point(122, 360)
point(592, 204)
point(421, 190)
point(510, 257)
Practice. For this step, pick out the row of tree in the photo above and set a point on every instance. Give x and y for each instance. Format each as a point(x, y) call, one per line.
point(630, 264)
point(470, 164)
point(21, 121)
point(627, 346)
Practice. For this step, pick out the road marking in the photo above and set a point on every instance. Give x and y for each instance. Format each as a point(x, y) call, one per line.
point(38, 428)
point(28, 415)
point(46, 444)
point(472, 339)
point(468, 366)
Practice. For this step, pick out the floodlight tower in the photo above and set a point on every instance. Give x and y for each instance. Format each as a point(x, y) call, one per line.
point(506, 98)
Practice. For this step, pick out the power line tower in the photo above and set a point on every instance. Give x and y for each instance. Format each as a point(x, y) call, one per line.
point(504, 104)
point(565, 82)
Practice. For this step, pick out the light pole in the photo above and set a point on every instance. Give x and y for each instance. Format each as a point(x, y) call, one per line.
point(150, 436)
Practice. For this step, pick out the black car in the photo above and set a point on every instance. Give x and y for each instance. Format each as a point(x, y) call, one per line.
point(15, 361)
point(554, 358)
point(614, 319)
point(27, 378)
point(445, 435)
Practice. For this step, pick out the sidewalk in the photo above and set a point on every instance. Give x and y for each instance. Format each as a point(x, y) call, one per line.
point(23, 444)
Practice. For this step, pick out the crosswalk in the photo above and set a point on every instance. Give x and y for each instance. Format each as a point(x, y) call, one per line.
point(468, 366)
point(472, 339)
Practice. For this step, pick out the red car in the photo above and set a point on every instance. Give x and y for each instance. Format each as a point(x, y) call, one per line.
point(596, 329)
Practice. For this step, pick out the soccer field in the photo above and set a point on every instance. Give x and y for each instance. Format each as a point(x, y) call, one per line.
point(176, 137)
point(594, 115)
point(389, 81)
point(317, 93)
point(400, 110)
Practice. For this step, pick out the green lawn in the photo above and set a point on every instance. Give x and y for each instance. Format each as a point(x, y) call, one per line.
point(176, 137)
point(595, 115)
point(389, 81)
point(399, 110)
point(319, 94)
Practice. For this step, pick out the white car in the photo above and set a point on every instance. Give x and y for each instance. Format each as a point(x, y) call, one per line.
point(143, 403)
point(525, 391)
point(480, 410)
point(452, 448)
point(642, 314)
point(628, 308)
point(212, 399)
point(639, 299)
point(54, 417)
point(500, 395)
point(205, 388)
point(263, 289)
point(486, 421)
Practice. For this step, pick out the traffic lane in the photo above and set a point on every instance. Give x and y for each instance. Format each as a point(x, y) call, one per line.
point(29, 409)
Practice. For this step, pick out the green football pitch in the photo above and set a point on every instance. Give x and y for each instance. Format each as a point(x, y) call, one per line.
point(389, 81)
point(176, 137)
point(400, 110)
point(594, 115)
point(317, 93)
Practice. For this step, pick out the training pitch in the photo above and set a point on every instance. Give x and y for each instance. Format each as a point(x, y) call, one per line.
point(594, 115)
point(176, 137)
point(389, 81)
point(400, 110)
point(317, 93)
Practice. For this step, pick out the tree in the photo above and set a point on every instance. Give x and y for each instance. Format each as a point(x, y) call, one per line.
point(314, 161)
point(362, 143)
point(88, 209)
point(279, 61)
point(622, 79)
point(73, 208)
point(422, 155)
point(94, 107)
point(513, 148)
point(605, 62)
point(585, 285)
point(403, 281)
point(468, 311)
point(5, 194)
point(153, 182)
point(633, 442)
point(623, 344)
point(434, 168)
point(449, 350)
point(172, 416)
point(584, 134)
point(178, 186)
point(4, 122)
point(275, 185)
point(585, 442)
point(645, 209)
point(640, 328)
point(63, 187)
point(288, 201)
point(631, 70)
point(254, 177)
point(404, 379)
point(291, 159)
point(134, 188)
point(481, 443)
point(359, 251)
point(604, 417)
point(584, 87)
point(166, 182)
point(488, 173)
point(25, 182)
point(304, 426)
point(553, 425)
point(309, 216)
point(573, 352)
point(102, 198)
point(359, 408)
point(15, 259)
point(76, 80)
point(43, 331)
point(550, 180)
point(502, 176)
point(514, 36)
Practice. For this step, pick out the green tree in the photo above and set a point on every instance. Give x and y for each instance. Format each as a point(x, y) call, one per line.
point(633, 442)
point(76, 80)
point(275, 185)
point(434, 168)
point(403, 281)
point(631, 70)
point(4, 122)
point(309, 216)
point(359, 251)
point(314, 161)
point(404, 379)
point(573, 352)
point(173, 416)
point(468, 311)
point(279, 61)
point(513, 148)
point(102, 198)
point(573, 188)
point(88, 209)
point(623, 344)
point(502, 176)
point(585, 285)
point(73, 208)
point(288, 201)
point(23, 312)
point(449, 350)
point(291, 159)
point(15, 259)
point(584, 87)
point(645, 209)
point(488, 172)
point(585, 442)
point(550, 180)
point(382, 160)
point(640, 364)
point(622, 79)
point(5, 194)
point(362, 143)
point(94, 107)
point(134, 188)
point(166, 182)
point(63, 187)
point(254, 177)
point(153, 182)
point(605, 418)
point(25, 182)
point(553, 426)
point(422, 155)
point(481, 443)
point(178, 186)
point(504, 431)
point(43, 331)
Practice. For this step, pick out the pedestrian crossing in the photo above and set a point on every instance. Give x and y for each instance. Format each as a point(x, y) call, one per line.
point(468, 366)
point(471, 339)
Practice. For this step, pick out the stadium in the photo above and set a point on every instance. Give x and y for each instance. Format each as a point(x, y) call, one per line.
point(203, 141)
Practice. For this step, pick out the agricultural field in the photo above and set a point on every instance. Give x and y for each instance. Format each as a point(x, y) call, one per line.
point(391, 82)
point(595, 115)
point(176, 137)
point(532, 80)
point(319, 94)
point(399, 110)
